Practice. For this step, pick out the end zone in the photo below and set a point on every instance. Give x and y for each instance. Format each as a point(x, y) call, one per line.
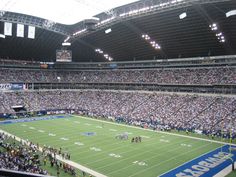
point(209, 164)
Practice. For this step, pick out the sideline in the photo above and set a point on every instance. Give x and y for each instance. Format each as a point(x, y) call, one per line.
point(157, 131)
point(71, 163)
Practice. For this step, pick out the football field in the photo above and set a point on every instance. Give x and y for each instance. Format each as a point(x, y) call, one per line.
point(93, 144)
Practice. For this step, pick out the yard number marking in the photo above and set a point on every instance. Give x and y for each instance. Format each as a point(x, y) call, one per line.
point(115, 155)
point(186, 145)
point(79, 143)
point(51, 134)
point(141, 163)
point(163, 140)
point(95, 149)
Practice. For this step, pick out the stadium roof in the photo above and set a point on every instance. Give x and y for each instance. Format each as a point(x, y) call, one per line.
point(188, 37)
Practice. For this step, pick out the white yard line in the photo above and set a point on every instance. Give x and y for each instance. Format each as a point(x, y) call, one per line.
point(154, 156)
point(71, 163)
point(167, 133)
point(174, 157)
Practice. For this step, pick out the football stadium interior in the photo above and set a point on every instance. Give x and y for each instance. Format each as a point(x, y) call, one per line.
point(118, 88)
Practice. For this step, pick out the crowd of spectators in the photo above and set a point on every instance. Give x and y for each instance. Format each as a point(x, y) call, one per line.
point(223, 75)
point(208, 113)
point(19, 157)
point(26, 156)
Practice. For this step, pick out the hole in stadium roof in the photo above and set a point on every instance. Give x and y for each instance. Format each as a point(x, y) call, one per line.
point(62, 11)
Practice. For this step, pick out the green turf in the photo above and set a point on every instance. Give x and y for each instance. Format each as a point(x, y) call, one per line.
point(232, 174)
point(150, 158)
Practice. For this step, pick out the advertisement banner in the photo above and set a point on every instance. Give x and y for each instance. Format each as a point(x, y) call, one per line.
point(5, 86)
point(17, 86)
point(12, 86)
point(7, 29)
point(20, 30)
point(31, 32)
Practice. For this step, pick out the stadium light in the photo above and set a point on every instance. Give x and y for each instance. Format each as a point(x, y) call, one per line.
point(146, 37)
point(183, 15)
point(66, 44)
point(79, 32)
point(107, 20)
point(106, 56)
point(67, 39)
point(218, 34)
point(99, 51)
point(153, 43)
point(108, 31)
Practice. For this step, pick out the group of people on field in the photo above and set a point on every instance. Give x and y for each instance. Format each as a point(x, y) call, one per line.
point(137, 139)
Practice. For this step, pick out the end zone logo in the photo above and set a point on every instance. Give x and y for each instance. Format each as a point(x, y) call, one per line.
point(206, 165)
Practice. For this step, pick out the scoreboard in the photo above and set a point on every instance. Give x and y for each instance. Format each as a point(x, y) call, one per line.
point(63, 55)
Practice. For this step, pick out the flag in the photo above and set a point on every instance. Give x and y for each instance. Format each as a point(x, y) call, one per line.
point(20, 30)
point(31, 32)
point(7, 29)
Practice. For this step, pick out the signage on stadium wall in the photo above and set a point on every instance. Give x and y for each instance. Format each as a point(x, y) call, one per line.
point(13, 86)
point(5, 86)
point(17, 86)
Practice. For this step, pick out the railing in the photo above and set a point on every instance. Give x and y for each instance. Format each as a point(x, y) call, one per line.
point(223, 89)
point(12, 173)
point(214, 61)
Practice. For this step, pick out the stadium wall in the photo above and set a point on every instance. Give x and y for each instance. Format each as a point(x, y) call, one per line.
point(225, 172)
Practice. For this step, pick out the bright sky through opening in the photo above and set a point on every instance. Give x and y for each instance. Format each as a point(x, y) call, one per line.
point(61, 11)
